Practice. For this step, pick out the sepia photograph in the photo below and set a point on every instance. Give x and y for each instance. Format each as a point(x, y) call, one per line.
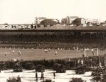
point(52, 40)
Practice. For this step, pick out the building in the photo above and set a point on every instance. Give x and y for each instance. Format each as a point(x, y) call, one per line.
point(68, 20)
point(79, 21)
point(63, 21)
point(38, 20)
point(95, 22)
point(17, 26)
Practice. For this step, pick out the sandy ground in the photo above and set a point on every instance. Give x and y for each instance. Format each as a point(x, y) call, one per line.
point(29, 75)
point(36, 54)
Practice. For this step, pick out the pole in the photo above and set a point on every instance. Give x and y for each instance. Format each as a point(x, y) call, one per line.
point(97, 52)
point(85, 52)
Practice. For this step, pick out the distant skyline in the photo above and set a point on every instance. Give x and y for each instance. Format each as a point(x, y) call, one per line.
point(25, 11)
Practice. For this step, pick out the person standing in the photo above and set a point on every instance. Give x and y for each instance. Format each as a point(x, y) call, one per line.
point(19, 53)
point(56, 53)
point(46, 50)
point(36, 75)
point(54, 75)
point(13, 51)
point(5, 53)
point(42, 76)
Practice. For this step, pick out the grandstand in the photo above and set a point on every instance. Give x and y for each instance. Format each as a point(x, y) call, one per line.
point(66, 37)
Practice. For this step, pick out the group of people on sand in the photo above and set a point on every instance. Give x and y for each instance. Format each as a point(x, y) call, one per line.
point(42, 75)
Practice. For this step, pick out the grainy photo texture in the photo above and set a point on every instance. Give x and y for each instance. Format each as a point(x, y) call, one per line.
point(52, 41)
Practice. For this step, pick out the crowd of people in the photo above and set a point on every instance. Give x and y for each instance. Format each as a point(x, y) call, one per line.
point(54, 40)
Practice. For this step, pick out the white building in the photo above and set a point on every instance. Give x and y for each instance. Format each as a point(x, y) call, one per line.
point(95, 22)
point(70, 19)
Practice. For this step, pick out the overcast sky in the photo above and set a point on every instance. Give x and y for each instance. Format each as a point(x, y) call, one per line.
point(25, 11)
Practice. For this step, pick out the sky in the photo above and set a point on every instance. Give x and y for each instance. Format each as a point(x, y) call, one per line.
point(25, 11)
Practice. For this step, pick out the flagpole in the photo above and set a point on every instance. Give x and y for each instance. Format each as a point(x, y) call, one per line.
point(85, 52)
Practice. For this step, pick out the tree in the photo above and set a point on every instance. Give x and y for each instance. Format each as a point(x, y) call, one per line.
point(59, 68)
point(17, 67)
point(39, 68)
point(81, 69)
point(29, 66)
point(18, 79)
